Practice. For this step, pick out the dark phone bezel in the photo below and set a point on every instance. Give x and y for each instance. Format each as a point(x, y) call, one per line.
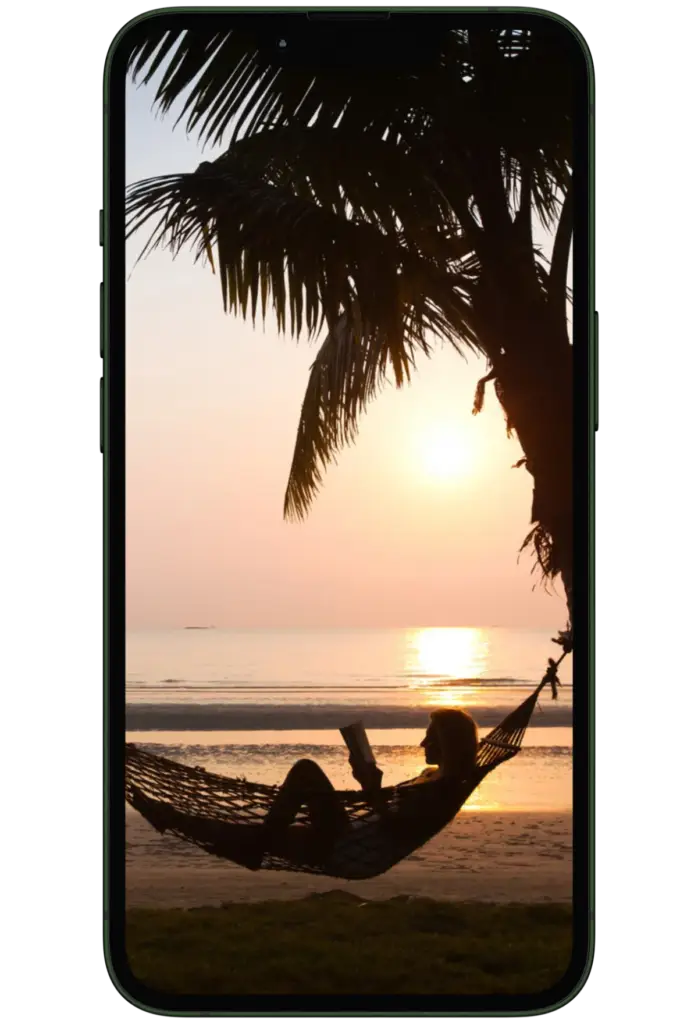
point(114, 546)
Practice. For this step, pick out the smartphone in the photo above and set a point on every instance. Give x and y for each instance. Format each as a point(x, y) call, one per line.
point(349, 404)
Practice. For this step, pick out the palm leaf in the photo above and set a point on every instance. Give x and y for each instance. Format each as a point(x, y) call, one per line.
point(234, 82)
point(352, 365)
point(483, 92)
point(282, 251)
point(345, 375)
point(385, 301)
point(377, 180)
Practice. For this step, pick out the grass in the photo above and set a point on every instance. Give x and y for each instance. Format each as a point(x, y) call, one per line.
point(338, 944)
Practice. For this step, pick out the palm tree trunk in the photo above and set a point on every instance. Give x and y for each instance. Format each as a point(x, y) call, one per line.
point(531, 361)
point(536, 395)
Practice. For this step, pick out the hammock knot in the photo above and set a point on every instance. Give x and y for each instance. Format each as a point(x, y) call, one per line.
point(551, 677)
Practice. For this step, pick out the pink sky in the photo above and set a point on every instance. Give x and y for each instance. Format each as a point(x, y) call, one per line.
point(212, 409)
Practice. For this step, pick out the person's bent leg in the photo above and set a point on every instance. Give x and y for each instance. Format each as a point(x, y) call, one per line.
point(307, 785)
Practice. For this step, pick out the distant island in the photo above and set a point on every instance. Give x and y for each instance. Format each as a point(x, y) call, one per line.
point(199, 627)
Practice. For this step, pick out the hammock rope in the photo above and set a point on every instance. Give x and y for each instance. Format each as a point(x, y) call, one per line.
point(184, 801)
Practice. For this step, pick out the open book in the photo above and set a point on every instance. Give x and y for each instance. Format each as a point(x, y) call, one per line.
point(355, 737)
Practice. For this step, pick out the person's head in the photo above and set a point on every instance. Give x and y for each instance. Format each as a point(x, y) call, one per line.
point(451, 741)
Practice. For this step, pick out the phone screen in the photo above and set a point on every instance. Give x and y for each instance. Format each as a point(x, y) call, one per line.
point(348, 435)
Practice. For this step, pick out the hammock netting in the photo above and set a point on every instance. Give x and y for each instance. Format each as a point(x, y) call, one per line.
point(189, 798)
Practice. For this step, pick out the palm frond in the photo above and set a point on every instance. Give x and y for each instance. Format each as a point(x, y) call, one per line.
point(345, 376)
point(282, 251)
point(354, 362)
point(556, 285)
point(385, 301)
point(233, 85)
point(378, 180)
point(540, 540)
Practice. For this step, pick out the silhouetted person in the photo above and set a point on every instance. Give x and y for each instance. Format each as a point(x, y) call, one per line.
point(420, 808)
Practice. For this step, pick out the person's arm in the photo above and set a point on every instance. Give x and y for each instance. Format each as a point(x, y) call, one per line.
point(370, 778)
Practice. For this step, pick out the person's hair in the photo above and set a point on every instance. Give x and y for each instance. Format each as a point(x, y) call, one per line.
point(457, 735)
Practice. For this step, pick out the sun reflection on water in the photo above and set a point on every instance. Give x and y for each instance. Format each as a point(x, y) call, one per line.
point(447, 654)
point(476, 805)
point(454, 653)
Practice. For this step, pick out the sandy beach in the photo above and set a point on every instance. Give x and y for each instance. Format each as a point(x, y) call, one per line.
point(494, 857)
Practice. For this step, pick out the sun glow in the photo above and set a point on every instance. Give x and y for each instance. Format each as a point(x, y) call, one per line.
point(449, 652)
point(445, 453)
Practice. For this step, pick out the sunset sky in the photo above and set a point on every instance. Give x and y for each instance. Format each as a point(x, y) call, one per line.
point(419, 524)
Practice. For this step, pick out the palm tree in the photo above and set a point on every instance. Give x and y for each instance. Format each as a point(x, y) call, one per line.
point(391, 213)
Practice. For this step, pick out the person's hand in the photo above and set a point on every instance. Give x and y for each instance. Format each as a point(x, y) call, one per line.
point(369, 776)
point(356, 767)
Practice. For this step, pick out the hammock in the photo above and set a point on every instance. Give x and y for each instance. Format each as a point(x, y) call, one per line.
point(184, 801)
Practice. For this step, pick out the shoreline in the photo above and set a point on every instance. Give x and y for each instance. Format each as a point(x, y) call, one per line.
point(293, 717)
point(484, 857)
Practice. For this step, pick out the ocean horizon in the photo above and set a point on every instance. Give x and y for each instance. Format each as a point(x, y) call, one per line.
point(406, 667)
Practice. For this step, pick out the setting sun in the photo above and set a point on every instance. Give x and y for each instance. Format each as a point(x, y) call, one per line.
point(445, 452)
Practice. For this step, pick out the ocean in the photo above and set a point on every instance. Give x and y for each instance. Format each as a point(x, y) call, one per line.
point(251, 702)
